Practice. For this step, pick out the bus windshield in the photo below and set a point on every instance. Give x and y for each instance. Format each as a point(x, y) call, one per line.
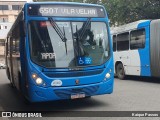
point(85, 45)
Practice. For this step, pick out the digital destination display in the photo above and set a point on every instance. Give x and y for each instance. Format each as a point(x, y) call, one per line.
point(65, 11)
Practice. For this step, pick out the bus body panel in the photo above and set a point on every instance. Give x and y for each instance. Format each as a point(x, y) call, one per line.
point(135, 64)
point(69, 78)
point(155, 48)
point(38, 94)
point(144, 53)
point(122, 56)
point(90, 85)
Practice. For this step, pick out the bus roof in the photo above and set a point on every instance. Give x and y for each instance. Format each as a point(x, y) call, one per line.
point(127, 27)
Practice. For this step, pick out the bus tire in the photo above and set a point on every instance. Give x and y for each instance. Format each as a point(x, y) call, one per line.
point(120, 71)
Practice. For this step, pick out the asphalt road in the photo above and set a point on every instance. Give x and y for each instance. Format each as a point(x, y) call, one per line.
point(133, 94)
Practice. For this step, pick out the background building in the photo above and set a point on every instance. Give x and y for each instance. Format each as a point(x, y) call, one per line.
point(4, 28)
point(9, 10)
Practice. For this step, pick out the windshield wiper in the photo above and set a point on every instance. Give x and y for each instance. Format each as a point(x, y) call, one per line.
point(83, 31)
point(61, 34)
point(77, 42)
point(79, 37)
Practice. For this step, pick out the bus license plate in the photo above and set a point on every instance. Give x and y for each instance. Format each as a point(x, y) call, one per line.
point(79, 95)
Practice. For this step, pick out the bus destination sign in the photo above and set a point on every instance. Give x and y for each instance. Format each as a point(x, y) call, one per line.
point(65, 11)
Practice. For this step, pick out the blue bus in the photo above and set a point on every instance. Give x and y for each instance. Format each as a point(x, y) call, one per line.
point(136, 49)
point(58, 51)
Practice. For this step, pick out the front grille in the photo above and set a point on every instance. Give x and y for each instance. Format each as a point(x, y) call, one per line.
point(66, 93)
point(74, 74)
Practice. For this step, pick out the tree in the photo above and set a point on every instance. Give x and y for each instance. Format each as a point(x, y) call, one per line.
point(62, 0)
point(81, 1)
point(126, 11)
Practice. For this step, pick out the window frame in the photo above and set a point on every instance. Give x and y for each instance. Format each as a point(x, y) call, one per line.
point(114, 48)
point(109, 47)
point(126, 32)
point(136, 36)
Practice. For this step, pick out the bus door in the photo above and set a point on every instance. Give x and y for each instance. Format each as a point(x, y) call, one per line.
point(7, 53)
point(125, 59)
point(122, 53)
point(15, 58)
point(9, 60)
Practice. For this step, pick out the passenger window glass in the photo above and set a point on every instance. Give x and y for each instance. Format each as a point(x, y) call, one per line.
point(15, 40)
point(8, 46)
point(114, 42)
point(137, 39)
point(123, 41)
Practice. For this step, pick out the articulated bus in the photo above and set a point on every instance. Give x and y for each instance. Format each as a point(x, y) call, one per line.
point(58, 51)
point(136, 49)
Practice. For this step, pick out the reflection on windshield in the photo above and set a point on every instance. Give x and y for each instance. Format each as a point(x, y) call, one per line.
point(48, 49)
point(61, 34)
point(93, 44)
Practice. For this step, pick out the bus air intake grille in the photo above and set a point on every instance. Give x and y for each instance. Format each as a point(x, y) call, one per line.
point(66, 93)
point(74, 74)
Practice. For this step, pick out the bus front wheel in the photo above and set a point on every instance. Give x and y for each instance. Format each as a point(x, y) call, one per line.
point(120, 71)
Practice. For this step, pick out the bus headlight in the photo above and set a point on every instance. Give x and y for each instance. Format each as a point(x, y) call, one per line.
point(108, 75)
point(34, 76)
point(39, 81)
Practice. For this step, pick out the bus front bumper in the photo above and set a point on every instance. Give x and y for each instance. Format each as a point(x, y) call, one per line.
point(41, 94)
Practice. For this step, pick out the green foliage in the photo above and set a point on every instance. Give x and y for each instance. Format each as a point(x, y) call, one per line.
point(86, 1)
point(126, 11)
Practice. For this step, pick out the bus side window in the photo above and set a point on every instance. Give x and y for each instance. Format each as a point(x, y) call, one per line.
point(13, 46)
point(16, 37)
point(137, 39)
point(123, 41)
point(8, 47)
point(114, 43)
